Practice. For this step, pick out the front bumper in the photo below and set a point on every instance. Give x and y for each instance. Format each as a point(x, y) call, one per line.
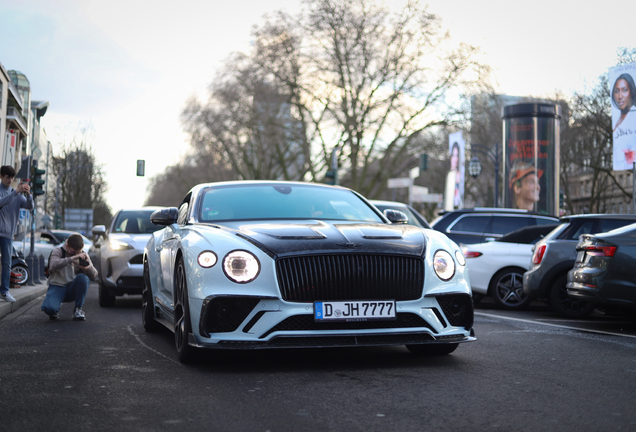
point(243, 322)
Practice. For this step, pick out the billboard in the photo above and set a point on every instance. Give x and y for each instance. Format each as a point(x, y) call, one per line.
point(623, 102)
point(531, 157)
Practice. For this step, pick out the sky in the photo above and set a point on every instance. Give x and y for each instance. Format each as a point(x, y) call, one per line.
point(128, 67)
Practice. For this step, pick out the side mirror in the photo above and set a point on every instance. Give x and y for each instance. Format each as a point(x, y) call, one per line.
point(99, 231)
point(165, 217)
point(396, 217)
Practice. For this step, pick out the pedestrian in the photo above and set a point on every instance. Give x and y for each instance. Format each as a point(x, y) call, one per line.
point(70, 273)
point(11, 201)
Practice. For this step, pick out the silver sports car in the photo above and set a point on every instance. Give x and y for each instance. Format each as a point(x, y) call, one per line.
point(265, 264)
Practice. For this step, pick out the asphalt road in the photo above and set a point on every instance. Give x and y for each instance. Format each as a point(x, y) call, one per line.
point(107, 374)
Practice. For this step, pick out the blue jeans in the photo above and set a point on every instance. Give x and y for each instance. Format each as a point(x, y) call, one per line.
point(72, 291)
point(6, 248)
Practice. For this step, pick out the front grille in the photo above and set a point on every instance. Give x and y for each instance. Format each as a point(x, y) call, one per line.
point(307, 322)
point(130, 282)
point(137, 259)
point(458, 309)
point(350, 277)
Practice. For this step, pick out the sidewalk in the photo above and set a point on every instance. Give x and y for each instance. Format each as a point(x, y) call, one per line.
point(23, 295)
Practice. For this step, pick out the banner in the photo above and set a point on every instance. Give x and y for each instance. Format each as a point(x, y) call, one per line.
point(623, 102)
point(456, 147)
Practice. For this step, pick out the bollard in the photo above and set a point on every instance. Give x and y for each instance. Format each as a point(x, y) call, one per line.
point(36, 270)
point(42, 273)
point(29, 261)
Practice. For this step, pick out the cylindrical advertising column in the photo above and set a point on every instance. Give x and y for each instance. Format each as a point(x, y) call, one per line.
point(531, 157)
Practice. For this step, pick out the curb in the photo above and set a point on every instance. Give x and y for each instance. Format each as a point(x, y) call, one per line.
point(23, 296)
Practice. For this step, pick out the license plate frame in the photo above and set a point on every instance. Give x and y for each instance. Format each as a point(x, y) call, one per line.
point(354, 310)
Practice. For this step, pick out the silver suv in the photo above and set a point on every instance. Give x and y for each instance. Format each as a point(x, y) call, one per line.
point(554, 255)
point(118, 254)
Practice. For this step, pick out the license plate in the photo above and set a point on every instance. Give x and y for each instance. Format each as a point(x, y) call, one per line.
point(366, 310)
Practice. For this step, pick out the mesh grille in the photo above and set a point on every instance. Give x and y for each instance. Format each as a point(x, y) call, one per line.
point(350, 277)
point(225, 314)
point(307, 322)
point(458, 309)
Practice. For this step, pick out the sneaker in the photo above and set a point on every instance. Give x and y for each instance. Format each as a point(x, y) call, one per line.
point(54, 317)
point(7, 297)
point(78, 314)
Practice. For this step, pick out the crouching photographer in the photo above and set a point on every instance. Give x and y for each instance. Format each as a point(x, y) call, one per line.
point(70, 273)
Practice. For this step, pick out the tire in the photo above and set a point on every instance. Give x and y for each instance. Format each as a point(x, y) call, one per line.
point(147, 304)
point(106, 298)
point(182, 326)
point(22, 271)
point(432, 349)
point(506, 289)
point(565, 305)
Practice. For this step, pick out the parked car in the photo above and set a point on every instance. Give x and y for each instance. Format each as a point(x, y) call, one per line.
point(496, 268)
point(117, 254)
point(554, 256)
point(267, 264)
point(604, 272)
point(414, 217)
point(45, 241)
point(479, 225)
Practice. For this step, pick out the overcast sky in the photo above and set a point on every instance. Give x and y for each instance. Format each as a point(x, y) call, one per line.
point(127, 67)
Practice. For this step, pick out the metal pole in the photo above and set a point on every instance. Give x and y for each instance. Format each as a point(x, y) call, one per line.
point(496, 175)
point(633, 187)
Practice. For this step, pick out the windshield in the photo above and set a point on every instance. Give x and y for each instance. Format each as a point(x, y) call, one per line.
point(134, 222)
point(258, 202)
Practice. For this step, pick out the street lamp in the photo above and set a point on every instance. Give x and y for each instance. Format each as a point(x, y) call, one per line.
point(474, 166)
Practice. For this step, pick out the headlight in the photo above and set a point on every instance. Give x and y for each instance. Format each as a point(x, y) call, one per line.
point(206, 259)
point(117, 245)
point(444, 265)
point(241, 266)
point(460, 258)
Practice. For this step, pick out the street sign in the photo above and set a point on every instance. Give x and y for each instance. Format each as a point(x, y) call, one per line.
point(399, 183)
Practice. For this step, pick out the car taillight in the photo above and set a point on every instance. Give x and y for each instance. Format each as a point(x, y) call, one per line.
point(604, 251)
point(538, 254)
point(472, 254)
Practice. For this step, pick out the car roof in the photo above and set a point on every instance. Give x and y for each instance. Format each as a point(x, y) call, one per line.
point(388, 203)
point(527, 234)
point(599, 216)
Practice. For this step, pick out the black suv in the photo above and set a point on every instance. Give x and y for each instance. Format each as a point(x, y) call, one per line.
point(478, 225)
point(554, 255)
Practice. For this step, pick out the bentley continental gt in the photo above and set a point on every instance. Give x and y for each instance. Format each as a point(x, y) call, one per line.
point(268, 264)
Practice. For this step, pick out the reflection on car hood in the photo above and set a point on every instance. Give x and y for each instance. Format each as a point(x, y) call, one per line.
point(138, 241)
point(320, 236)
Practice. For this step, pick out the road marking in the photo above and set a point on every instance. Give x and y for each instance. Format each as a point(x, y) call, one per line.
point(555, 325)
point(151, 349)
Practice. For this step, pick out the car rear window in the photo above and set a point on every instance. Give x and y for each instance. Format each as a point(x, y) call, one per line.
point(471, 224)
point(606, 225)
point(505, 224)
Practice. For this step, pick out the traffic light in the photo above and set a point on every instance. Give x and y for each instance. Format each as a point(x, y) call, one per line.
point(36, 180)
point(57, 221)
point(423, 161)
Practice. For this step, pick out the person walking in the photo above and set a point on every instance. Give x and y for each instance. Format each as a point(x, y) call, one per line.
point(70, 273)
point(11, 201)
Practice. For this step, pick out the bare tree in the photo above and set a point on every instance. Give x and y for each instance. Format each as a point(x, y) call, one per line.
point(352, 75)
point(79, 179)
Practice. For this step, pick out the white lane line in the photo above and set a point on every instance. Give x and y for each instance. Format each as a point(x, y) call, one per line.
point(151, 349)
point(555, 325)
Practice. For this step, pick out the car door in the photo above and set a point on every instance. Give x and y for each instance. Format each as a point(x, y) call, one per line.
point(168, 252)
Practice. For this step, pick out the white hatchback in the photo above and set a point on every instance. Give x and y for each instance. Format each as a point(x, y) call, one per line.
point(496, 268)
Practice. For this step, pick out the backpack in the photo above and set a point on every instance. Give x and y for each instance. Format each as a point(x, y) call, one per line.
point(47, 273)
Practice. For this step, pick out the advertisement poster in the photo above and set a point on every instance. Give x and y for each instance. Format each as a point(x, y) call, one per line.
point(530, 154)
point(456, 147)
point(623, 102)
